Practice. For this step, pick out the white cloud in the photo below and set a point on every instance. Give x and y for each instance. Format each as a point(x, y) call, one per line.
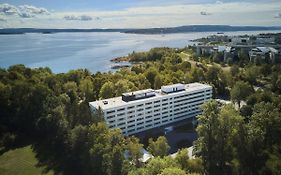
point(28, 11)
point(7, 9)
point(81, 18)
point(24, 11)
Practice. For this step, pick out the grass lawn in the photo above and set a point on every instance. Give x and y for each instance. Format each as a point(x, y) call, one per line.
point(19, 162)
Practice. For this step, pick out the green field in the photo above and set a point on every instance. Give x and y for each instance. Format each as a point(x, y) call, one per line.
point(19, 162)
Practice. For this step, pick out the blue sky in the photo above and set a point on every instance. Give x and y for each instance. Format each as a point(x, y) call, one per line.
point(137, 13)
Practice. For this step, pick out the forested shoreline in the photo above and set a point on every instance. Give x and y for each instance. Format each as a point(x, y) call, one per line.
point(50, 112)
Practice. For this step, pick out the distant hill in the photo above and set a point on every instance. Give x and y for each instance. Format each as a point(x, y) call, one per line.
point(201, 28)
point(49, 31)
point(169, 30)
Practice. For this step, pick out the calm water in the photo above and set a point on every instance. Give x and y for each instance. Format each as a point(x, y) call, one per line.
point(65, 51)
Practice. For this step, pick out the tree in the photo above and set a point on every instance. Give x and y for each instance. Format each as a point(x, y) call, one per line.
point(234, 70)
point(258, 140)
point(252, 73)
point(159, 147)
point(182, 159)
point(173, 171)
point(124, 86)
point(87, 88)
point(134, 150)
point(207, 128)
point(217, 131)
point(240, 91)
point(157, 82)
point(156, 166)
point(195, 166)
point(228, 126)
point(98, 115)
point(107, 90)
point(215, 76)
point(150, 75)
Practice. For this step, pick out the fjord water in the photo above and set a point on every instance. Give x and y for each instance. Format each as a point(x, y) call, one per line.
point(65, 51)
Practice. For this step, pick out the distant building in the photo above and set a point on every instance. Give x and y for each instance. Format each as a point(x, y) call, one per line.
point(220, 49)
point(239, 40)
point(146, 109)
point(230, 54)
point(204, 50)
point(264, 40)
point(264, 55)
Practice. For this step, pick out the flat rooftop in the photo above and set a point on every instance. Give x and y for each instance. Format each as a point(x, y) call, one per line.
point(117, 101)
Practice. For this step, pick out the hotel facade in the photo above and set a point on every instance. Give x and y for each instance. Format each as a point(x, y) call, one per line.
point(146, 109)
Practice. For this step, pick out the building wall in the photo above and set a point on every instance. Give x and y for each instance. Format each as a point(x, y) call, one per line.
point(155, 112)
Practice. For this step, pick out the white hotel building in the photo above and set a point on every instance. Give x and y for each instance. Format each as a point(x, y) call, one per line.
point(146, 109)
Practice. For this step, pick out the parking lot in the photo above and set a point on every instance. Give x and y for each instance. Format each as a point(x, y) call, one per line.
point(182, 135)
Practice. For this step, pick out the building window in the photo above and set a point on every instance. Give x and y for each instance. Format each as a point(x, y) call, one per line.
point(132, 116)
point(130, 112)
point(122, 109)
point(130, 126)
point(140, 123)
point(156, 106)
point(139, 105)
point(120, 124)
point(139, 128)
point(149, 103)
point(131, 121)
point(158, 101)
point(148, 121)
point(166, 112)
point(109, 112)
point(131, 107)
point(111, 116)
point(131, 130)
point(121, 119)
point(111, 121)
point(141, 109)
point(148, 107)
point(148, 116)
point(121, 114)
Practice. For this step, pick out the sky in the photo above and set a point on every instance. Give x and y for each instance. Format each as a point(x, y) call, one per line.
point(137, 13)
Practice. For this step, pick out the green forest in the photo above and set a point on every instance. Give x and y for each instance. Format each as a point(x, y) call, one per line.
point(50, 112)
